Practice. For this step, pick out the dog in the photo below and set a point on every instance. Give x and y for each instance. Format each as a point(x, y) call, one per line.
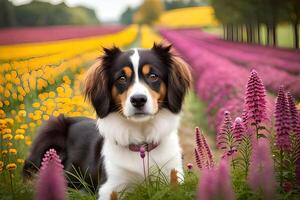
point(137, 95)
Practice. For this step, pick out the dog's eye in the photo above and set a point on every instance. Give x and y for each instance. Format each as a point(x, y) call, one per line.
point(122, 79)
point(153, 77)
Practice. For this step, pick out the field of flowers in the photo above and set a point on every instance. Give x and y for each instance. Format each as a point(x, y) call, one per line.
point(257, 133)
point(52, 33)
point(197, 16)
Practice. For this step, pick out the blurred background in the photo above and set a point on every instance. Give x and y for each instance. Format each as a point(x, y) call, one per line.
point(266, 22)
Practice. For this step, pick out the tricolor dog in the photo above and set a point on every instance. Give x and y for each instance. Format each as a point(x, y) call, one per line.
point(138, 96)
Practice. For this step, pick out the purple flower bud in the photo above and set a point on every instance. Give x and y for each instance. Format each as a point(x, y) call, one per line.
point(190, 166)
point(142, 152)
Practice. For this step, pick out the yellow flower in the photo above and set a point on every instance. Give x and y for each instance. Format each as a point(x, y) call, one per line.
point(32, 125)
point(7, 136)
point(12, 151)
point(20, 131)
point(20, 161)
point(4, 152)
point(1, 104)
point(2, 113)
point(6, 103)
point(36, 105)
point(9, 144)
point(6, 131)
point(11, 166)
point(22, 106)
point(28, 142)
point(24, 126)
point(22, 113)
point(13, 112)
point(1, 164)
point(55, 113)
point(9, 121)
point(19, 137)
point(45, 117)
point(51, 94)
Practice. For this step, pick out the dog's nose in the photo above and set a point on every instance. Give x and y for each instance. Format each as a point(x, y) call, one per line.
point(138, 100)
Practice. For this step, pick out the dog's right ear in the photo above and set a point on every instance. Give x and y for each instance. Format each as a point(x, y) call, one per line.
point(96, 82)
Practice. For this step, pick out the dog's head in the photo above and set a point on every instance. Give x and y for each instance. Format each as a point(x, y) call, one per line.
point(137, 83)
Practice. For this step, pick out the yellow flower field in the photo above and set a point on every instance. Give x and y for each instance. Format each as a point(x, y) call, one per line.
point(188, 17)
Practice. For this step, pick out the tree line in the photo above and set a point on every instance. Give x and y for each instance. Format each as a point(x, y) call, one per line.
point(242, 19)
point(38, 13)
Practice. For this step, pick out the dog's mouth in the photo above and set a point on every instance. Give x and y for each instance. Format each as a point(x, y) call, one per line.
point(140, 116)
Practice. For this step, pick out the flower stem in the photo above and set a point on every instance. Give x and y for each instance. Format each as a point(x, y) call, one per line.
point(144, 168)
point(148, 159)
point(281, 168)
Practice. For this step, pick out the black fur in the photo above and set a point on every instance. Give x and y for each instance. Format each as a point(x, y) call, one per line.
point(78, 144)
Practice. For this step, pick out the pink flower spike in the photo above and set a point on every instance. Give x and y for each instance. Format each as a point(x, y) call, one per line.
point(216, 183)
point(255, 101)
point(238, 130)
point(51, 183)
point(225, 132)
point(203, 155)
point(295, 121)
point(261, 172)
point(282, 121)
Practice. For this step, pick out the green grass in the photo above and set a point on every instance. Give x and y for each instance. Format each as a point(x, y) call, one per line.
point(285, 35)
point(159, 188)
point(194, 113)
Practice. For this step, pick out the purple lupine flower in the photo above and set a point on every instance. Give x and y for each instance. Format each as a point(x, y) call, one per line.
point(238, 130)
point(225, 132)
point(210, 159)
point(229, 135)
point(51, 183)
point(203, 155)
point(198, 159)
point(282, 121)
point(261, 173)
point(255, 101)
point(216, 183)
point(295, 125)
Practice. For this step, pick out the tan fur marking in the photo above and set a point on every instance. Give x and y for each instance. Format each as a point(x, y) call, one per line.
point(128, 72)
point(146, 69)
point(120, 99)
point(157, 97)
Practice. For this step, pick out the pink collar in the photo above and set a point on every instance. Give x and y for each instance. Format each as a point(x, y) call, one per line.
point(148, 147)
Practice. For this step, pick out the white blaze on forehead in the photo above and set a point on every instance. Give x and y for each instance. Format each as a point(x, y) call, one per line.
point(135, 59)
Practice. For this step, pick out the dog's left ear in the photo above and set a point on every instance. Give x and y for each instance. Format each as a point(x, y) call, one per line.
point(179, 79)
point(179, 82)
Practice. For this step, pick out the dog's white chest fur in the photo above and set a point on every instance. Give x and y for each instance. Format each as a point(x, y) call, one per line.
point(125, 167)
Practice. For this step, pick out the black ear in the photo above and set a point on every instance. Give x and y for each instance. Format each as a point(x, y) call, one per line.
point(96, 89)
point(162, 50)
point(109, 54)
point(179, 81)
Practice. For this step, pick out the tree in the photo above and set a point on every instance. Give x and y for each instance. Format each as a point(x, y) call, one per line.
point(7, 15)
point(293, 11)
point(148, 12)
point(127, 16)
